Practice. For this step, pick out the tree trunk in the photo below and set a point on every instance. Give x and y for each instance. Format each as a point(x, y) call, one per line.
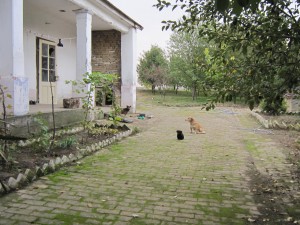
point(153, 89)
point(194, 92)
point(204, 91)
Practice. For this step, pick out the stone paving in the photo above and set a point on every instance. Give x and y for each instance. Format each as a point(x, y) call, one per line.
point(152, 178)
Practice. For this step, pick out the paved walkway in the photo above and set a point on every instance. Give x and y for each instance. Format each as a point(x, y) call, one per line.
point(152, 178)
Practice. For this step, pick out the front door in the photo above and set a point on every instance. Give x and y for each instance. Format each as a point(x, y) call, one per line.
point(47, 72)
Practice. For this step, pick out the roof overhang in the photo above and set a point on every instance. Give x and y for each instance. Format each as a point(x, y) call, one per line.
point(105, 15)
point(110, 14)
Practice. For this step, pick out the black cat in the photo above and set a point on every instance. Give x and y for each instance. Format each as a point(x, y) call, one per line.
point(126, 110)
point(180, 135)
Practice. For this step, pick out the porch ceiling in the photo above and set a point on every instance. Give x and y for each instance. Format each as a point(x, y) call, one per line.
point(60, 9)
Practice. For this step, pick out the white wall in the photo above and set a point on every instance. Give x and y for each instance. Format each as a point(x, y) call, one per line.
point(5, 40)
point(35, 27)
point(129, 74)
point(12, 57)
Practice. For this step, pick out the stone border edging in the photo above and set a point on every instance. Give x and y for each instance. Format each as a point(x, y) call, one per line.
point(54, 164)
point(59, 133)
point(274, 124)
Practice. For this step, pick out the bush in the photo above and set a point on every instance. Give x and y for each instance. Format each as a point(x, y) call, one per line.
point(273, 108)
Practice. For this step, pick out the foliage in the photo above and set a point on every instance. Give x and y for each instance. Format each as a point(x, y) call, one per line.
point(67, 142)
point(87, 87)
point(4, 147)
point(273, 107)
point(115, 112)
point(152, 68)
point(221, 7)
point(99, 97)
point(103, 130)
point(187, 61)
point(44, 140)
point(135, 130)
point(257, 45)
point(53, 116)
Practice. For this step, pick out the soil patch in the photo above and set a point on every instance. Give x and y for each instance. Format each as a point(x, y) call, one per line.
point(272, 195)
point(288, 139)
point(37, 154)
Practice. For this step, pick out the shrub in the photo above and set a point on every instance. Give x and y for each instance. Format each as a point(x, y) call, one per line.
point(273, 108)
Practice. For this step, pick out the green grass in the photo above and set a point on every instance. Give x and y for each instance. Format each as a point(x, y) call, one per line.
point(181, 99)
point(56, 177)
point(230, 213)
point(137, 221)
point(226, 213)
point(214, 194)
point(250, 146)
point(70, 219)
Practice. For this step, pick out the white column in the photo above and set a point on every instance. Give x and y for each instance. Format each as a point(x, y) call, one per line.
point(129, 74)
point(12, 72)
point(84, 43)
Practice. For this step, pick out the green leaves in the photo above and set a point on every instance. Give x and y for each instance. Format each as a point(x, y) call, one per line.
point(153, 66)
point(262, 36)
point(222, 5)
point(237, 8)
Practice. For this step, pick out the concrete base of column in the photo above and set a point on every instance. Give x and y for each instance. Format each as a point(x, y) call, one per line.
point(16, 95)
point(128, 97)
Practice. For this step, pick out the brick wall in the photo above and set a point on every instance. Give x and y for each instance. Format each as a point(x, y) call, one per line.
point(106, 51)
point(106, 55)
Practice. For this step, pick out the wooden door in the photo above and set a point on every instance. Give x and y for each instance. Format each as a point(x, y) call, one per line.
point(47, 72)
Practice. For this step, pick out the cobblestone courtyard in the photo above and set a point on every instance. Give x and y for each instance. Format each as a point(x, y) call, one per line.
point(152, 178)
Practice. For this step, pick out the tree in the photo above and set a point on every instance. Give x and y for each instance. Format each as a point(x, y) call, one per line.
point(187, 60)
point(152, 68)
point(263, 33)
point(177, 72)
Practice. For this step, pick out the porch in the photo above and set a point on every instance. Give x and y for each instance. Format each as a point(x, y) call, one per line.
point(25, 126)
point(46, 43)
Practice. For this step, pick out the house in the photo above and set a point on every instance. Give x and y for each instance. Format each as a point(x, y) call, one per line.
point(61, 40)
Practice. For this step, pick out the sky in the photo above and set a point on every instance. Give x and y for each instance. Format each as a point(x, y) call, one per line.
point(150, 18)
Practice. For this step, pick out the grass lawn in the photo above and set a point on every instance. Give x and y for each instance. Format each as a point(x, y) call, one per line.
point(182, 98)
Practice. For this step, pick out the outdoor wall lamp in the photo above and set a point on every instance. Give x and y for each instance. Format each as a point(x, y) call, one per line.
point(59, 43)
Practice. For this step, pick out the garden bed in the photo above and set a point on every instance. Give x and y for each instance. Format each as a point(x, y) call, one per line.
point(283, 121)
point(285, 129)
point(30, 159)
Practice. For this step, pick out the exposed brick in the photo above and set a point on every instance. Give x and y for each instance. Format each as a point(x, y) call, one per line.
point(106, 51)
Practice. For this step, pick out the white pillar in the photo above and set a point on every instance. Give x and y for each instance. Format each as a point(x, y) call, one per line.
point(84, 43)
point(129, 74)
point(12, 72)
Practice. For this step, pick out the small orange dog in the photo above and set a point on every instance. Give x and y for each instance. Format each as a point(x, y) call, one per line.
point(195, 126)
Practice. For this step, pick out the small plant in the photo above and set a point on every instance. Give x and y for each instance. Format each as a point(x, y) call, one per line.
point(99, 98)
point(67, 142)
point(87, 87)
point(135, 130)
point(44, 140)
point(103, 130)
point(115, 112)
point(4, 151)
point(9, 159)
